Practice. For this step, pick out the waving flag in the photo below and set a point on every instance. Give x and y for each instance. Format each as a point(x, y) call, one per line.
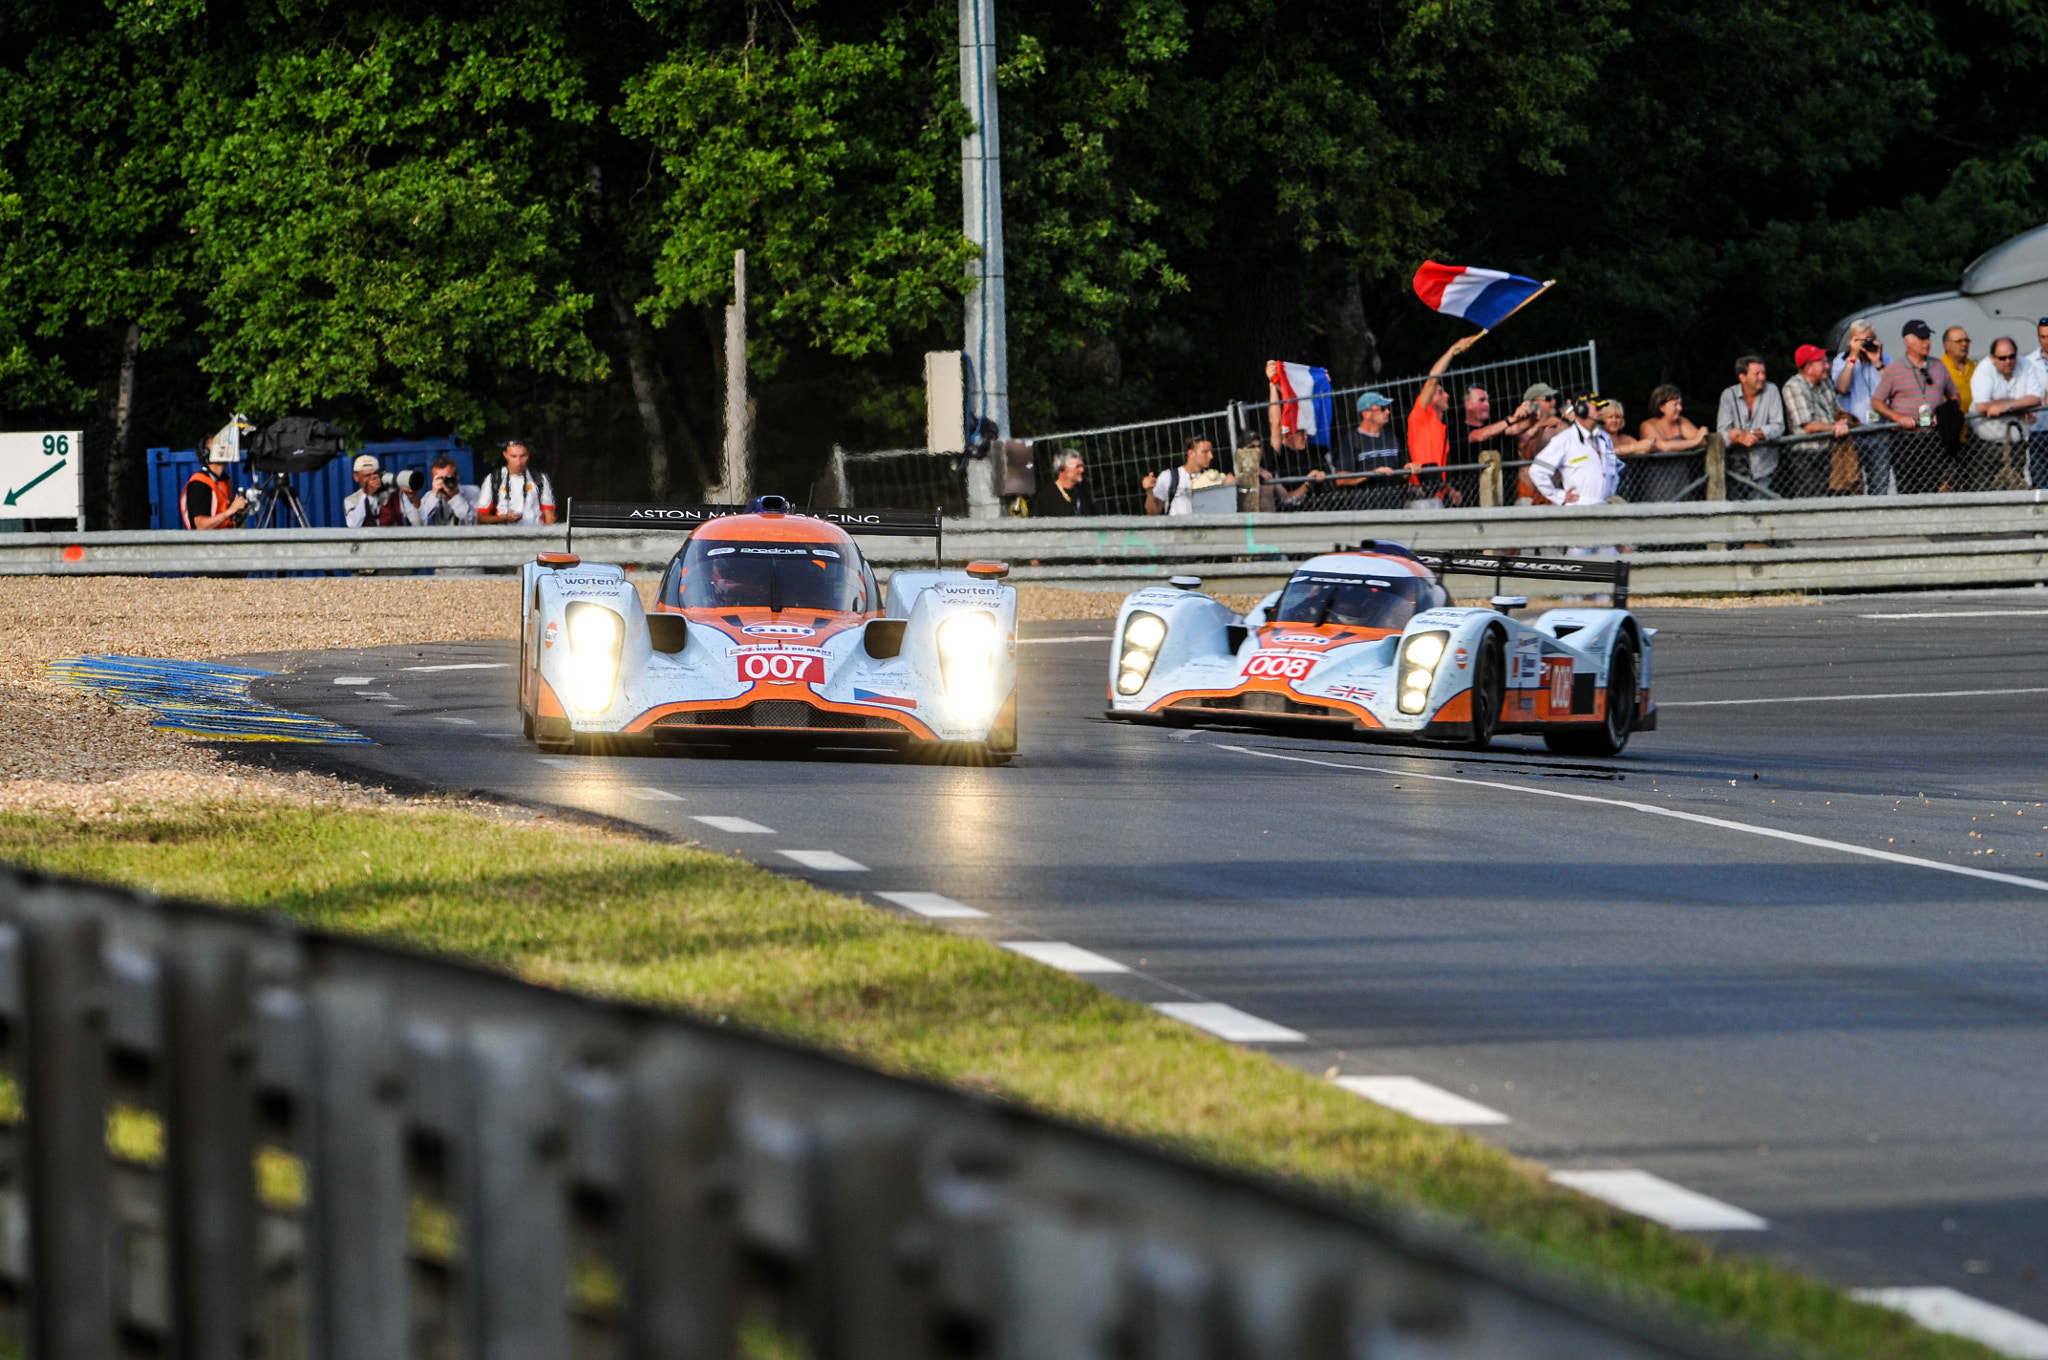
point(1304, 394)
point(1485, 297)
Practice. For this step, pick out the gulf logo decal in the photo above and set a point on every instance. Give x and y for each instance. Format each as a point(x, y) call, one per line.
point(777, 630)
point(1278, 667)
point(1298, 640)
point(783, 668)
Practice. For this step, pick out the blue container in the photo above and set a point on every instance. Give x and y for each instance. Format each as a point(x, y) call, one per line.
point(322, 492)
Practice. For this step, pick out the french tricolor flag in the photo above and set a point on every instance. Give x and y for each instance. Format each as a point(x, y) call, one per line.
point(1483, 297)
point(1305, 400)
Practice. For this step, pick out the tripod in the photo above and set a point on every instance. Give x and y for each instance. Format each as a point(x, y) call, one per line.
point(272, 500)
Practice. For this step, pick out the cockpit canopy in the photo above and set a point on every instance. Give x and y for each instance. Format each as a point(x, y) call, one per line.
point(1357, 600)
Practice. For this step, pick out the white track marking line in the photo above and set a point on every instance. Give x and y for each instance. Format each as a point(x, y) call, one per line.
point(653, 795)
point(1657, 1199)
point(1070, 958)
point(1941, 1309)
point(1416, 1098)
point(1962, 614)
point(737, 826)
point(559, 762)
point(825, 860)
point(1818, 842)
point(352, 679)
point(1842, 698)
point(450, 718)
point(1228, 1022)
point(465, 666)
point(1090, 637)
point(936, 905)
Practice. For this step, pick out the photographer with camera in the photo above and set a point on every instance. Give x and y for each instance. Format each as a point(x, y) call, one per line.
point(513, 495)
point(377, 504)
point(210, 500)
point(447, 501)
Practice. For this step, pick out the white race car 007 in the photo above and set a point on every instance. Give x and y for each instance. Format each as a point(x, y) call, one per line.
point(768, 625)
point(1368, 643)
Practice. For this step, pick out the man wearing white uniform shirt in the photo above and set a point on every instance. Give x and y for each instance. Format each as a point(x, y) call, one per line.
point(1578, 466)
point(2007, 396)
point(514, 495)
point(2038, 360)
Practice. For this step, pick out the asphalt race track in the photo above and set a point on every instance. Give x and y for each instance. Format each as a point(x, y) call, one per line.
point(1816, 997)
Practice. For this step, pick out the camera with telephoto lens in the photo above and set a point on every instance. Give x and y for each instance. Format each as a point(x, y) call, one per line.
point(412, 480)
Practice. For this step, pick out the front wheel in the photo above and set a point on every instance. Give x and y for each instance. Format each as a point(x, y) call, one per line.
point(1489, 690)
point(1607, 737)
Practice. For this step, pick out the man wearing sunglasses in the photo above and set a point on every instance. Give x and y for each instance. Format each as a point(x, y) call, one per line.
point(2007, 412)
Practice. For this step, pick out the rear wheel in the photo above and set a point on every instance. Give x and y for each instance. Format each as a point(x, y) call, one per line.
point(1607, 737)
point(1489, 690)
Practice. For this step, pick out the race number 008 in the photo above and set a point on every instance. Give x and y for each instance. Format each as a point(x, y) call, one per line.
point(1279, 666)
point(781, 667)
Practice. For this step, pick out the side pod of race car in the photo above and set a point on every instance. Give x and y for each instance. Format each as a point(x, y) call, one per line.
point(768, 625)
point(1368, 643)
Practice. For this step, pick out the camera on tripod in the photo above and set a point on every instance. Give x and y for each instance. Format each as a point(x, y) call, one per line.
point(280, 450)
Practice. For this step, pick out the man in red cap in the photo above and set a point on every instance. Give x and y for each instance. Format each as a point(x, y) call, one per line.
point(1812, 407)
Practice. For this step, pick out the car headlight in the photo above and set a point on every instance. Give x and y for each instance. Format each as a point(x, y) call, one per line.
point(597, 638)
point(1419, 658)
point(1143, 634)
point(967, 660)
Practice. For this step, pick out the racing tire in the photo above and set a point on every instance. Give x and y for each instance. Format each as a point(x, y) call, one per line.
point(1609, 736)
point(1489, 690)
point(526, 722)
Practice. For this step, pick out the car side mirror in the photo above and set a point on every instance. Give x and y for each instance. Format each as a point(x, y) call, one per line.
point(1508, 604)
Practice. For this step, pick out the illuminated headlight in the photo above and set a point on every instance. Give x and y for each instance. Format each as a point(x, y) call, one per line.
point(596, 639)
point(967, 659)
point(1420, 656)
point(1142, 635)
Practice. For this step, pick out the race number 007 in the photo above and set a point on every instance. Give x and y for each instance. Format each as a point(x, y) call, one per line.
point(1278, 666)
point(781, 667)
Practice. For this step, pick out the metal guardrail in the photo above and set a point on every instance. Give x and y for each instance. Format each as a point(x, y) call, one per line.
point(1819, 544)
point(362, 1153)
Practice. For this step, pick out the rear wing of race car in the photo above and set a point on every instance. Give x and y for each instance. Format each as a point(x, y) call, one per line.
point(683, 518)
point(1612, 571)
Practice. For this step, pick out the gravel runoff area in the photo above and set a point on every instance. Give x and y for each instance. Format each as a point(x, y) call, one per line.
point(71, 750)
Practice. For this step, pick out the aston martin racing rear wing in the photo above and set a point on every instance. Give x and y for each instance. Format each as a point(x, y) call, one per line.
point(683, 518)
point(1610, 570)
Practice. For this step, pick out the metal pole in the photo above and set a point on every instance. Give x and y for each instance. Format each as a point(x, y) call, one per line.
point(1593, 358)
point(981, 192)
point(738, 432)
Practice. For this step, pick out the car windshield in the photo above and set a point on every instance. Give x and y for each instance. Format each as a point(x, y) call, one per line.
point(729, 574)
point(1360, 601)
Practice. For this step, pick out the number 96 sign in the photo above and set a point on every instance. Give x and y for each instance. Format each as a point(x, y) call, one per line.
point(39, 474)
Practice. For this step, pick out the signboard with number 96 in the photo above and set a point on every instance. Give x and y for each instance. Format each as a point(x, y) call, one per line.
point(39, 474)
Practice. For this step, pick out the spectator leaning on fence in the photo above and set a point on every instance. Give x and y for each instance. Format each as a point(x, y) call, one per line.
point(210, 500)
point(447, 501)
point(1172, 492)
point(1909, 393)
point(2038, 360)
point(1751, 412)
point(2010, 395)
point(1813, 407)
point(1955, 357)
point(1666, 431)
point(1066, 497)
point(376, 503)
point(1369, 475)
point(513, 495)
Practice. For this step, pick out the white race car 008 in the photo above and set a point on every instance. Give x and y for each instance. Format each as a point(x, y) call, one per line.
point(1368, 643)
point(768, 625)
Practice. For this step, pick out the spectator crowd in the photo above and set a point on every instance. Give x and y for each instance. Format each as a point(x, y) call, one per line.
point(512, 494)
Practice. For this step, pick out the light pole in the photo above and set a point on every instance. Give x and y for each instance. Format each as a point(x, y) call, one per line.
point(981, 192)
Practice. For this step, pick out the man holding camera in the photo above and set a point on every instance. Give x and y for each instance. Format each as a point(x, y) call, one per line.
point(447, 501)
point(377, 504)
point(513, 495)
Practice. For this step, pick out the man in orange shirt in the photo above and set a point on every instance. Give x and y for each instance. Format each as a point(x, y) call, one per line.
point(1429, 437)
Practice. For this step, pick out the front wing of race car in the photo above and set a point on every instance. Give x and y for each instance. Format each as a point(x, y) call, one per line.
point(938, 667)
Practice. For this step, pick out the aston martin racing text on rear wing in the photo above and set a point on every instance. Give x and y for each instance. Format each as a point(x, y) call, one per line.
point(616, 515)
point(1613, 571)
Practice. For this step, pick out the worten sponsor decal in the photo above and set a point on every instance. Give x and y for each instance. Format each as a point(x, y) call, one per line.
point(1278, 666)
point(778, 630)
point(869, 696)
point(782, 668)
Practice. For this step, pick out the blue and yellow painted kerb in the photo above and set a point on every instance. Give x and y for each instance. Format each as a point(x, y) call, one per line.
point(195, 697)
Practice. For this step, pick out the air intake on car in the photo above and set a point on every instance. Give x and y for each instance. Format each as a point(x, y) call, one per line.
point(781, 713)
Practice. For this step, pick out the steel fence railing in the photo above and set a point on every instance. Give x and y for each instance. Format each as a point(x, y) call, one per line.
point(225, 1137)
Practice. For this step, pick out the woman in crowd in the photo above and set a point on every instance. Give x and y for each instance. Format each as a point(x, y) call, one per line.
point(1614, 420)
point(1667, 431)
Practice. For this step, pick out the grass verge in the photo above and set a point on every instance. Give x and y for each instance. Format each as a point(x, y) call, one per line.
point(609, 914)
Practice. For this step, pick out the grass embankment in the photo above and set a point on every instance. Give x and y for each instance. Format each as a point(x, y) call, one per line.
point(623, 917)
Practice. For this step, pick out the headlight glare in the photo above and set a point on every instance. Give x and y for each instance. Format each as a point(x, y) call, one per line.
point(1413, 700)
point(595, 630)
point(1426, 649)
point(1145, 631)
point(1130, 682)
point(1418, 679)
point(1143, 634)
point(597, 637)
point(967, 659)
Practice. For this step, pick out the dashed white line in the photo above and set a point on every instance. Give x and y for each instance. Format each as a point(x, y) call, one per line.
point(1228, 1022)
point(1961, 614)
point(652, 795)
point(451, 718)
point(1069, 958)
point(737, 826)
point(1419, 1100)
point(1941, 1309)
point(1047, 642)
point(1654, 1198)
point(1845, 698)
point(352, 679)
point(1817, 842)
point(935, 905)
point(829, 861)
point(465, 666)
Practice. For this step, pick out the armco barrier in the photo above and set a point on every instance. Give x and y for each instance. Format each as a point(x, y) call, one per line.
point(1693, 546)
point(241, 1139)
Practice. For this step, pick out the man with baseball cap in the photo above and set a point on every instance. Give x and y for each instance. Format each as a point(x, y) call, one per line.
point(375, 505)
point(1370, 461)
point(1910, 392)
point(1812, 407)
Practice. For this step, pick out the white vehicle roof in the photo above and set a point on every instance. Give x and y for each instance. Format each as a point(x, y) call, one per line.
point(1366, 564)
